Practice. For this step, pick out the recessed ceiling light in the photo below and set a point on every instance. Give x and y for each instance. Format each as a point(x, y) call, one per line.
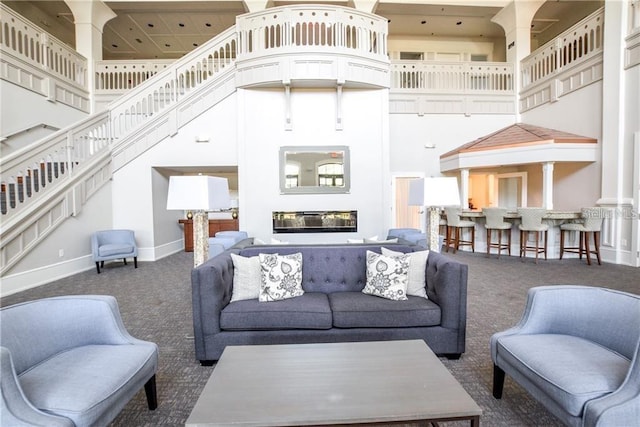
point(459, 23)
point(139, 41)
point(389, 21)
point(150, 25)
point(180, 24)
point(114, 45)
point(167, 45)
point(423, 22)
point(195, 44)
point(207, 24)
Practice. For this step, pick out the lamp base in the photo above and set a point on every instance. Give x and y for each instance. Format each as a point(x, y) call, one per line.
point(200, 238)
point(433, 228)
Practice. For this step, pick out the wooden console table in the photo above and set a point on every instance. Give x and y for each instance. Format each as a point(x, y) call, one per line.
point(215, 225)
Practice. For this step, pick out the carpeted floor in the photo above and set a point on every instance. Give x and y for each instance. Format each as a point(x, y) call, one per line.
point(155, 302)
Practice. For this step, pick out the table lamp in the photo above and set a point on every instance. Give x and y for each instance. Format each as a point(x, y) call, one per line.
point(434, 193)
point(200, 194)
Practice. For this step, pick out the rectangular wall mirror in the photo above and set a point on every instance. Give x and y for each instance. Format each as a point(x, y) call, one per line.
point(314, 169)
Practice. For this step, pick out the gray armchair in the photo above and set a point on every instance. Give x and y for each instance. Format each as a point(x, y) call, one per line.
point(577, 351)
point(107, 245)
point(69, 361)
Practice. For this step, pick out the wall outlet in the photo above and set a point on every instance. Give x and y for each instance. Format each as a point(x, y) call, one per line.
point(60, 253)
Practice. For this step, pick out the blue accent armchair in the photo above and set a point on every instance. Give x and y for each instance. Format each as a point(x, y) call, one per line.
point(108, 245)
point(577, 351)
point(69, 361)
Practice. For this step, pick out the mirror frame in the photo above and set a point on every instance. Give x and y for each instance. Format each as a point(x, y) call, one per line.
point(315, 189)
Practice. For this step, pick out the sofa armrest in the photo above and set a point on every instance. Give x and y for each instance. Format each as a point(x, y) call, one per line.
point(211, 286)
point(447, 287)
point(16, 409)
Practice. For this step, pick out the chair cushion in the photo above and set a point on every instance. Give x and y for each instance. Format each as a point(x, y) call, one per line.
point(308, 311)
point(88, 384)
point(570, 370)
point(358, 310)
point(115, 249)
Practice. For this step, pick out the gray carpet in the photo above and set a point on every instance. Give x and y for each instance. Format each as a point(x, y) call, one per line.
point(155, 301)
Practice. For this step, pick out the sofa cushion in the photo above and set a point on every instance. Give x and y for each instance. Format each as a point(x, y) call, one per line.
point(115, 249)
point(308, 311)
point(86, 383)
point(358, 310)
point(571, 370)
point(281, 276)
point(387, 277)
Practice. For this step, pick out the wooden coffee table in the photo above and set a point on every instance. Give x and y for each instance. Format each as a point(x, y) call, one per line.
point(341, 383)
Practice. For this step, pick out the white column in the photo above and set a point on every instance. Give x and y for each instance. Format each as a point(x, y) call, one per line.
point(547, 185)
point(617, 141)
point(257, 5)
point(90, 18)
point(515, 19)
point(464, 188)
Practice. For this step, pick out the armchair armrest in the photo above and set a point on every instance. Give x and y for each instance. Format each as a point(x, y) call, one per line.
point(622, 407)
point(16, 409)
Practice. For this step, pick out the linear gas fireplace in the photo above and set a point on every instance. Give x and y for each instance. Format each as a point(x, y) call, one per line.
point(315, 222)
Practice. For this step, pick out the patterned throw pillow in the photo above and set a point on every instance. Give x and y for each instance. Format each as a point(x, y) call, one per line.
point(387, 277)
point(281, 276)
point(416, 285)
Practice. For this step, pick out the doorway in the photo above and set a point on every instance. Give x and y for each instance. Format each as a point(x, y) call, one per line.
point(511, 190)
point(405, 216)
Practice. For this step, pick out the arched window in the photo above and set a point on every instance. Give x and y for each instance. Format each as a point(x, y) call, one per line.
point(331, 175)
point(292, 175)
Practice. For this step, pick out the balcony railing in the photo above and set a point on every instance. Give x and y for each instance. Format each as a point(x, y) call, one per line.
point(307, 29)
point(575, 45)
point(452, 77)
point(31, 44)
point(123, 75)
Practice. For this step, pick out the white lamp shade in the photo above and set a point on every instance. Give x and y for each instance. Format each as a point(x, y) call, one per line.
point(438, 191)
point(198, 192)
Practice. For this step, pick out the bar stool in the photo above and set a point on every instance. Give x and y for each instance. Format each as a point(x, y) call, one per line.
point(590, 225)
point(531, 222)
point(454, 228)
point(444, 228)
point(494, 220)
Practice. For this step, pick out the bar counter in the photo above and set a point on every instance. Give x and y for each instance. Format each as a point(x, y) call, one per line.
point(554, 218)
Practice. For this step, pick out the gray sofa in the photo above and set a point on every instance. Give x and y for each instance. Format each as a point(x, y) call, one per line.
point(333, 307)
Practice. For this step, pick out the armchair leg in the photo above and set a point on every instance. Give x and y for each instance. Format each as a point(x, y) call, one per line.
point(150, 391)
point(98, 266)
point(498, 382)
point(125, 261)
point(135, 262)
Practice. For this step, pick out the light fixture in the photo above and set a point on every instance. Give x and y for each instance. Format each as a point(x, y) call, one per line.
point(434, 193)
point(203, 138)
point(200, 194)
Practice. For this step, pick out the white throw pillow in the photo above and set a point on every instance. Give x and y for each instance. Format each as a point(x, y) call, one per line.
point(387, 277)
point(281, 276)
point(278, 242)
point(246, 277)
point(381, 241)
point(417, 267)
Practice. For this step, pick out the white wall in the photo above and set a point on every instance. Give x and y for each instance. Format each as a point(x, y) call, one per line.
point(140, 188)
point(576, 185)
point(73, 237)
point(409, 133)
point(22, 108)
point(443, 49)
point(262, 132)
